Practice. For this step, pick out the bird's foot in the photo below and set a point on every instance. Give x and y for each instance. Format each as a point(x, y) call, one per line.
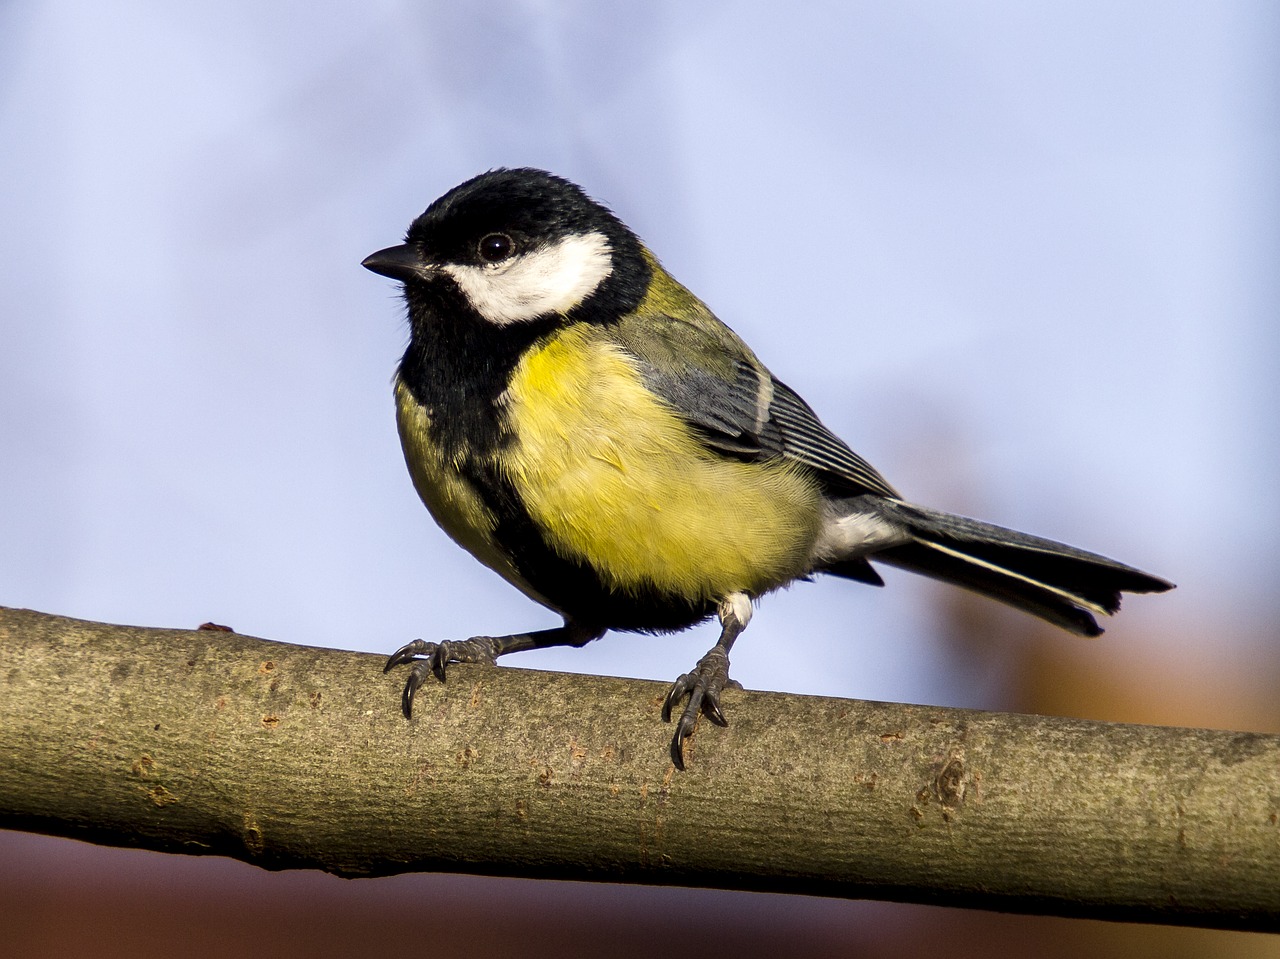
point(432, 659)
point(703, 687)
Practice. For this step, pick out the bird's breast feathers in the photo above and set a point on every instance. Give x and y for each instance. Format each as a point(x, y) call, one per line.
point(614, 478)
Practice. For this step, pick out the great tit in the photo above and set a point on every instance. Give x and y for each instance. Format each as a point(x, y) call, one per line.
point(583, 425)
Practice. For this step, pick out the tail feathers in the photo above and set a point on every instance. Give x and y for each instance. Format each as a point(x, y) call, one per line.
point(1059, 583)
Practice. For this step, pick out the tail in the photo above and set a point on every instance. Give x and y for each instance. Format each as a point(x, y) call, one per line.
point(1059, 583)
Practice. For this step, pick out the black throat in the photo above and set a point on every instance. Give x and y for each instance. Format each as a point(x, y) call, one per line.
point(457, 366)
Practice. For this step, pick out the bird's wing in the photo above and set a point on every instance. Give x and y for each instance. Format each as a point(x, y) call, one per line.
point(736, 406)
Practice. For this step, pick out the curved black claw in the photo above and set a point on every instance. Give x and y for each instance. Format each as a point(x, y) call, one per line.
point(703, 687)
point(406, 653)
point(432, 659)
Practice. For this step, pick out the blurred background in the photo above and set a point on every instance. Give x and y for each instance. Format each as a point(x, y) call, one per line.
point(1022, 257)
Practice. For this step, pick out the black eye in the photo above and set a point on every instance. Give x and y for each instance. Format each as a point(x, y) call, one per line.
point(496, 247)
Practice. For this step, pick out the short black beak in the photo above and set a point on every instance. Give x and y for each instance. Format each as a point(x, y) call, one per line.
point(403, 263)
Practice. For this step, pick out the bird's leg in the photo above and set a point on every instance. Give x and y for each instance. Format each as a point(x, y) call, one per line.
point(708, 678)
point(433, 658)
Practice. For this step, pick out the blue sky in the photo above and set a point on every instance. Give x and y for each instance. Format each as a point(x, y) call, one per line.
point(1022, 257)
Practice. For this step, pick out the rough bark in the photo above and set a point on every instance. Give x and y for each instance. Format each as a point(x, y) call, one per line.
point(207, 742)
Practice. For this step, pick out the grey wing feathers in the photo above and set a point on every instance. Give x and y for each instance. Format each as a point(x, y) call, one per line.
point(805, 439)
point(726, 414)
point(738, 409)
point(755, 416)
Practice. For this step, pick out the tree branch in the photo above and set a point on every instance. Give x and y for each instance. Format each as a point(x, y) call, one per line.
point(286, 756)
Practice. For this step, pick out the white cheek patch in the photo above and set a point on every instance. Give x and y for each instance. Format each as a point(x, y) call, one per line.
point(551, 279)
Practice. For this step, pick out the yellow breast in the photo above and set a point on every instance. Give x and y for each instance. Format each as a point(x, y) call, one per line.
point(614, 478)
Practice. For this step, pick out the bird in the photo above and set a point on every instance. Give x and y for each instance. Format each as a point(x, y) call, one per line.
point(585, 426)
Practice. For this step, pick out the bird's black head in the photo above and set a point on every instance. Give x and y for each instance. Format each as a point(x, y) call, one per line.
point(515, 246)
